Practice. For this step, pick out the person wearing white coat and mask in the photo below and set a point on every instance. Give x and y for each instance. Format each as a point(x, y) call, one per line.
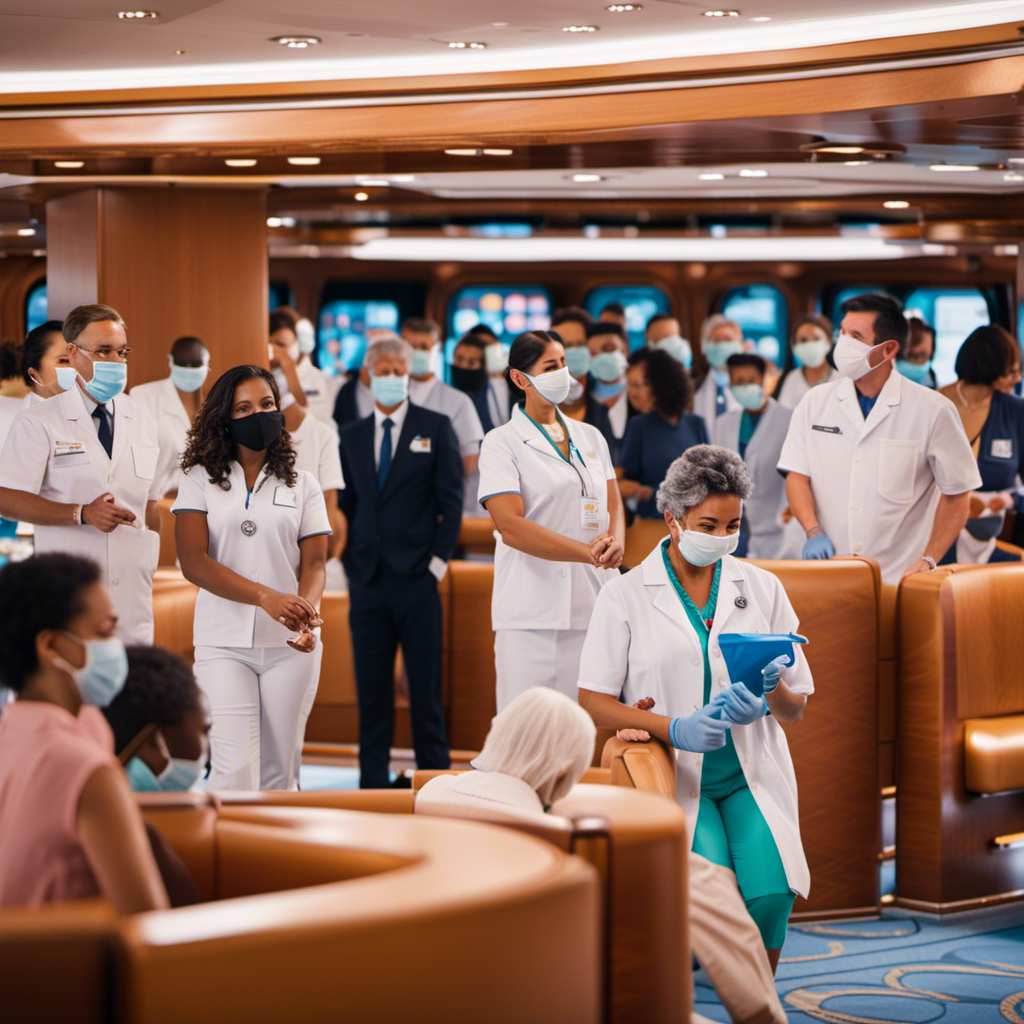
point(81, 467)
point(653, 640)
point(877, 465)
point(810, 346)
point(720, 338)
point(757, 432)
point(174, 402)
point(548, 484)
point(297, 335)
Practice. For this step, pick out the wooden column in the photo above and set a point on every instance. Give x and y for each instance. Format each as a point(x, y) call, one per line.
point(171, 261)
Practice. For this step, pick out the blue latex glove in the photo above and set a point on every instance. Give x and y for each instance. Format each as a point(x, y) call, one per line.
point(702, 731)
point(819, 546)
point(740, 706)
point(772, 672)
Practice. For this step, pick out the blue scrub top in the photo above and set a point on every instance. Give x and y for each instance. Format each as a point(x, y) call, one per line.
point(652, 444)
point(1000, 457)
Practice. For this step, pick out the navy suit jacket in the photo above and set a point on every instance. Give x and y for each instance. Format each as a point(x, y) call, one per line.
point(419, 511)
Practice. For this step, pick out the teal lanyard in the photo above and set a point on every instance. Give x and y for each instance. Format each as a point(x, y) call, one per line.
point(547, 437)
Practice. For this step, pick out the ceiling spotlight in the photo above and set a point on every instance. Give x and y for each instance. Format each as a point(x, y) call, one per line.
point(499, 24)
point(954, 168)
point(761, 18)
point(239, 162)
point(1013, 177)
point(711, 176)
point(748, 173)
point(137, 15)
point(26, 232)
point(361, 197)
point(579, 28)
point(180, 53)
point(896, 204)
point(623, 8)
point(296, 42)
point(588, 177)
point(463, 152)
point(304, 161)
point(403, 177)
point(373, 182)
point(856, 163)
point(497, 152)
point(467, 46)
point(721, 14)
point(69, 165)
point(274, 222)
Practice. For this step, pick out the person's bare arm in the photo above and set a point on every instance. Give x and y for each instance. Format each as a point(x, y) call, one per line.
point(152, 516)
point(506, 511)
point(115, 844)
point(291, 375)
point(312, 577)
point(469, 463)
point(102, 512)
point(950, 518)
point(192, 539)
point(801, 501)
point(339, 525)
point(610, 713)
point(785, 704)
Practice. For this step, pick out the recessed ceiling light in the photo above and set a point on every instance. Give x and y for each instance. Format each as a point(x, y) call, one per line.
point(761, 18)
point(954, 167)
point(748, 173)
point(463, 152)
point(467, 46)
point(274, 222)
point(1013, 177)
point(403, 177)
point(896, 204)
point(180, 53)
point(711, 176)
point(1015, 160)
point(721, 14)
point(373, 182)
point(304, 161)
point(497, 152)
point(361, 197)
point(499, 24)
point(855, 163)
point(588, 177)
point(579, 28)
point(137, 15)
point(296, 42)
point(69, 165)
point(839, 149)
point(26, 232)
point(622, 8)
point(240, 162)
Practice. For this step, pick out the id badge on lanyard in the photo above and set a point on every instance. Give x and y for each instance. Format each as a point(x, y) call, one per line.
point(592, 509)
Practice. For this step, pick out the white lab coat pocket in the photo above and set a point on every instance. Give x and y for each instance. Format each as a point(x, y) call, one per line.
point(145, 457)
point(897, 470)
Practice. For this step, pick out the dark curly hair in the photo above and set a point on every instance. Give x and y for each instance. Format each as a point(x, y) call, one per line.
point(209, 444)
point(160, 690)
point(670, 383)
point(42, 592)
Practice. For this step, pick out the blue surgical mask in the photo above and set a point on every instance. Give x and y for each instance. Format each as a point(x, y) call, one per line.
point(66, 377)
point(607, 366)
point(181, 775)
point(496, 358)
point(750, 396)
point(189, 378)
point(141, 777)
point(422, 362)
point(103, 675)
point(601, 391)
point(108, 380)
point(390, 390)
point(578, 360)
point(677, 347)
point(811, 353)
point(917, 372)
point(717, 352)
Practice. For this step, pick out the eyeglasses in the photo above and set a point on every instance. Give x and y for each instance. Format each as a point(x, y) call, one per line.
point(108, 354)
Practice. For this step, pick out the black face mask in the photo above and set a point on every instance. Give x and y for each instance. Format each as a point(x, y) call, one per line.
point(257, 431)
point(469, 381)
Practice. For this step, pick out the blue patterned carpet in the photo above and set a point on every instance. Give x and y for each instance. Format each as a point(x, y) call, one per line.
point(966, 970)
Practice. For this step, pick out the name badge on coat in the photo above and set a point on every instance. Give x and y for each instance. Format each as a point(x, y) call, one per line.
point(1002, 449)
point(286, 497)
point(591, 516)
point(420, 444)
point(69, 453)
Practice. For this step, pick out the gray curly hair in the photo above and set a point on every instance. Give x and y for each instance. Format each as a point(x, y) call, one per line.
point(703, 470)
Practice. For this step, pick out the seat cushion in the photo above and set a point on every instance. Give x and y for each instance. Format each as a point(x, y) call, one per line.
point(994, 754)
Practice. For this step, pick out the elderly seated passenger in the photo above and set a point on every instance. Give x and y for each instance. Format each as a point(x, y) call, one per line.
point(537, 749)
point(653, 638)
point(69, 827)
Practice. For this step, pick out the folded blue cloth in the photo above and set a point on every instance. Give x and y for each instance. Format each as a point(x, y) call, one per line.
point(746, 654)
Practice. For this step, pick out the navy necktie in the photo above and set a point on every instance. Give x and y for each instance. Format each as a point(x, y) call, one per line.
point(103, 431)
point(385, 454)
point(720, 404)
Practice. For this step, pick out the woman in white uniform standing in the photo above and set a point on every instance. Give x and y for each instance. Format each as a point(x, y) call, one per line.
point(549, 486)
point(811, 344)
point(252, 534)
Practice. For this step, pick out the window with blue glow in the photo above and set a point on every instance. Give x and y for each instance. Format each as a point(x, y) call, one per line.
point(641, 302)
point(954, 313)
point(760, 309)
point(35, 306)
point(507, 309)
point(344, 323)
point(279, 294)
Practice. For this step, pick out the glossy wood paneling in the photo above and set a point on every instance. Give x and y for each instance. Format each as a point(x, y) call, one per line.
point(171, 261)
point(17, 275)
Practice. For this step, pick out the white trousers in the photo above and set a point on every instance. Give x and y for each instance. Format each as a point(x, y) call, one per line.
point(537, 657)
point(260, 698)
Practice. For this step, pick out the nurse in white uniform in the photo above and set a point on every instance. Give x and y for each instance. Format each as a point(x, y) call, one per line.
point(653, 641)
point(81, 468)
point(549, 486)
point(720, 338)
point(45, 366)
point(298, 337)
point(811, 343)
point(174, 402)
point(255, 542)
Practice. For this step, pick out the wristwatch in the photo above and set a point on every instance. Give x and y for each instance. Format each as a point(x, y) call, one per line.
point(77, 514)
point(931, 562)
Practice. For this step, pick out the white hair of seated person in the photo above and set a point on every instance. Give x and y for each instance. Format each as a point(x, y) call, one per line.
point(543, 738)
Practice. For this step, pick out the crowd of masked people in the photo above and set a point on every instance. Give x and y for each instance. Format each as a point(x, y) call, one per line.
point(283, 483)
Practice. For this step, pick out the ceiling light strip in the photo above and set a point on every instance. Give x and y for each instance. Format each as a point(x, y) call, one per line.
point(977, 54)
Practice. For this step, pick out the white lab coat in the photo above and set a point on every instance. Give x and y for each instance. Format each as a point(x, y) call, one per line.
point(795, 386)
point(52, 450)
point(876, 482)
point(641, 644)
point(161, 400)
point(762, 458)
point(705, 399)
point(516, 458)
point(319, 392)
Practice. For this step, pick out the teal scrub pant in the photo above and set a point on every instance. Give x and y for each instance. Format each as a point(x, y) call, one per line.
point(731, 831)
